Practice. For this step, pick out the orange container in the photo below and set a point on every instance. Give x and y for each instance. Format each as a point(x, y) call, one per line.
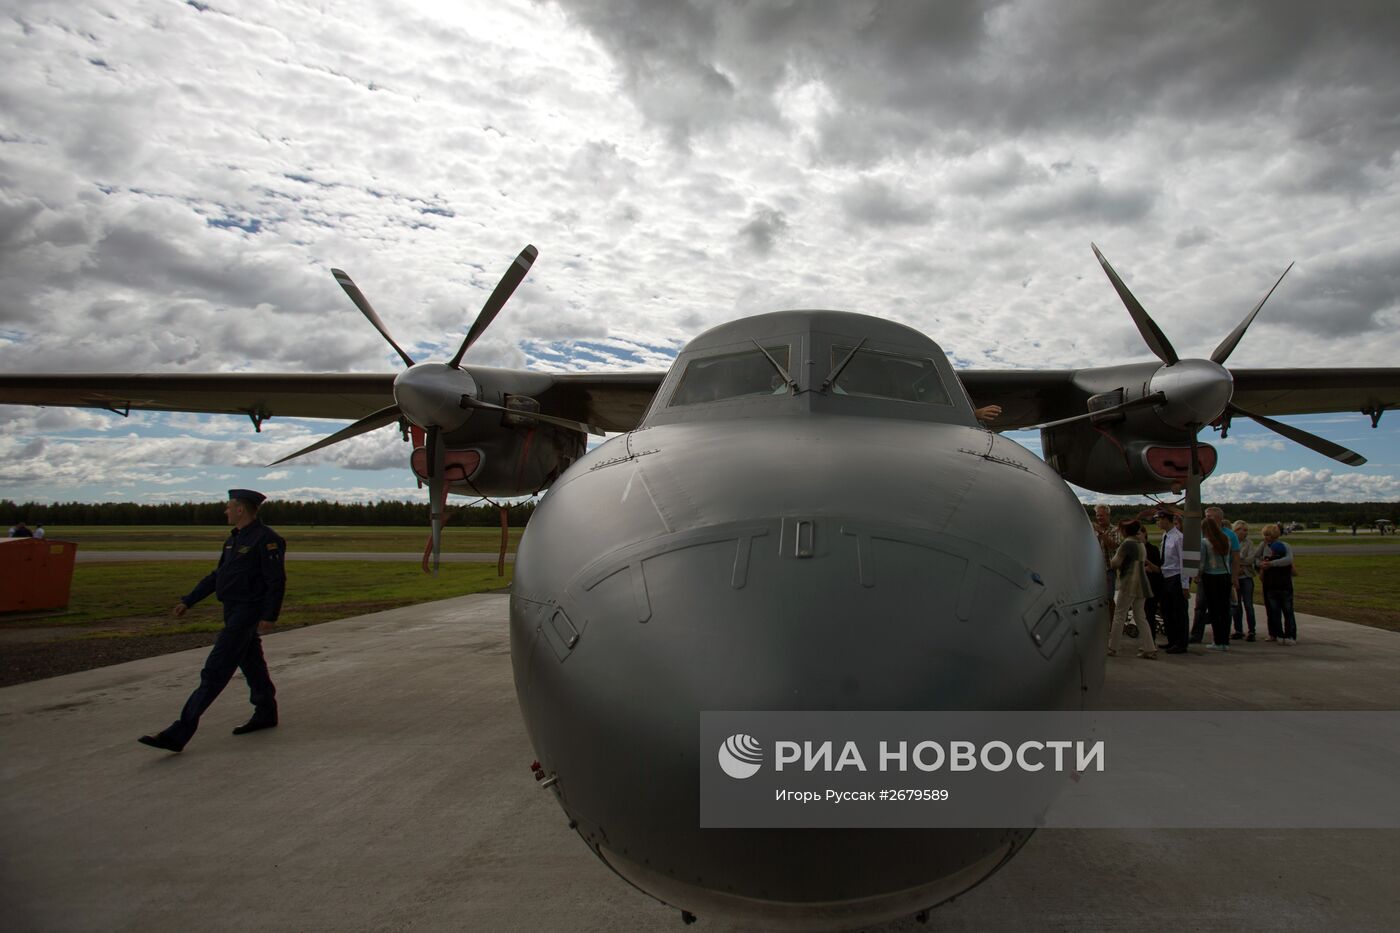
point(35, 573)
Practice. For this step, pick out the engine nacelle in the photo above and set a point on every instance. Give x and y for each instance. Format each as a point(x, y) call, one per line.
point(1106, 461)
point(502, 455)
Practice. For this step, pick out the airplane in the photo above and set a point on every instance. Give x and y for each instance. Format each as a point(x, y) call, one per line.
point(802, 513)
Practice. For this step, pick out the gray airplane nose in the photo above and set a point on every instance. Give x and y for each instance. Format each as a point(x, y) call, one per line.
point(652, 585)
point(781, 614)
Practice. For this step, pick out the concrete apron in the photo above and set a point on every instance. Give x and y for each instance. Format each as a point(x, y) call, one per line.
point(397, 794)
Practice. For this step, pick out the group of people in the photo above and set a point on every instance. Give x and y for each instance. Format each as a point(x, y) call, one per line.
point(21, 530)
point(1149, 581)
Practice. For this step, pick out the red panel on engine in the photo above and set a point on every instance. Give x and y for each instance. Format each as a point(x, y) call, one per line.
point(1172, 463)
point(458, 465)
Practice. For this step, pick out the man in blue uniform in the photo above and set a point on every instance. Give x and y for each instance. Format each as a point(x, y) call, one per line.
point(249, 580)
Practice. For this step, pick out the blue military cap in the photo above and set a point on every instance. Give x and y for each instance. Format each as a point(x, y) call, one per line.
point(247, 495)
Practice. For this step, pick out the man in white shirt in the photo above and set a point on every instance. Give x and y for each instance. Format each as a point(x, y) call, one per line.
point(1173, 599)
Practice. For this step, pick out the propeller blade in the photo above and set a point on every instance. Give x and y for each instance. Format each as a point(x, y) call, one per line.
point(1157, 341)
point(1311, 441)
point(368, 423)
point(437, 491)
point(1227, 346)
point(1156, 398)
point(504, 289)
point(367, 310)
point(579, 426)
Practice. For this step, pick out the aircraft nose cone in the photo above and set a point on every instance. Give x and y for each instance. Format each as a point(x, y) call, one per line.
point(849, 565)
point(827, 613)
point(768, 614)
point(1197, 392)
point(430, 394)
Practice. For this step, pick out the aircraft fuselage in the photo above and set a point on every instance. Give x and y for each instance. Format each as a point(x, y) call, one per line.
point(865, 547)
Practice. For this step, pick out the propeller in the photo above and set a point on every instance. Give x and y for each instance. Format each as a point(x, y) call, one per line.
point(1196, 392)
point(361, 302)
point(437, 396)
point(1311, 441)
point(1157, 341)
point(499, 296)
point(366, 424)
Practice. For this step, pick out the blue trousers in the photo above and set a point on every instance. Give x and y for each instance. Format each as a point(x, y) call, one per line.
point(1245, 607)
point(238, 648)
point(1279, 606)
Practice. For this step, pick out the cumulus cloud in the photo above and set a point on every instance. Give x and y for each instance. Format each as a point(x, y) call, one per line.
point(1302, 484)
point(176, 184)
point(935, 74)
point(878, 203)
point(763, 229)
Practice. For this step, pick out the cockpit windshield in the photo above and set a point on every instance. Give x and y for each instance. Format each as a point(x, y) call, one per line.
point(877, 374)
point(744, 374)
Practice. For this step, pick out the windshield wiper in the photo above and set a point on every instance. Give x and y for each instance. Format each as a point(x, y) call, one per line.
point(837, 371)
point(788, 380)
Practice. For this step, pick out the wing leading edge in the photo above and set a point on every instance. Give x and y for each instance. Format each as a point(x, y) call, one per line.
point(617, 401)
point(613, 401)
point(1032, 397)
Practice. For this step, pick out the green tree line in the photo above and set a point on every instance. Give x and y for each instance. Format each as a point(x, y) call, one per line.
point(277, 512)
point(1311, 514)
point(389, 512)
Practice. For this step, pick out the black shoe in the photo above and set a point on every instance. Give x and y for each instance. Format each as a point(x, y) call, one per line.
point(1249, 637)
point(253, 725)
point(1235, 635)
point(1175, 649)
point(1196, 641)
point(160, 740)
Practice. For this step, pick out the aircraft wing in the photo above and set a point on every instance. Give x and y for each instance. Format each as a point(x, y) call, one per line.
point(346, 396)
point(1034, 396)
point(1311, 391)
point(1027, 396)
point(612, 401)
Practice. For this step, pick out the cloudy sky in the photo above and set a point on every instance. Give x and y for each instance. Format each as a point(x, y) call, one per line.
point(178, 178)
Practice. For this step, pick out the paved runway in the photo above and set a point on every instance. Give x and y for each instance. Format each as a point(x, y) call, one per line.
point(397, 796)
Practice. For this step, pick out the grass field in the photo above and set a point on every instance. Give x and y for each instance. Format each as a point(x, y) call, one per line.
point(1308, 539)
point(309, 538)
point(1354, 588)
point(121, 611)
point(134, 599)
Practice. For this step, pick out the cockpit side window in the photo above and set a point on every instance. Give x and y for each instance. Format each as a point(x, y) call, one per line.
point(877, 374)
point(745, 374)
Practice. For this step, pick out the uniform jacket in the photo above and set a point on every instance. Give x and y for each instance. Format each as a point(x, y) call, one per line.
point(250, 571)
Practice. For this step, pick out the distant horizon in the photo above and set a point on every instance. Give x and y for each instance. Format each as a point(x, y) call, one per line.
point(10, 506)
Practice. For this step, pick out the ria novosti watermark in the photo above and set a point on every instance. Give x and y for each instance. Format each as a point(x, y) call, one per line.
point(1025, 769)
point(741, 756)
